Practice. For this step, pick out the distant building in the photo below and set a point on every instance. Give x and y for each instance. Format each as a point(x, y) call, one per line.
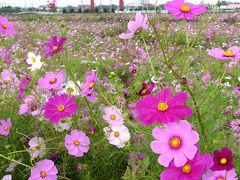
point(45, 8)
point(230, 8)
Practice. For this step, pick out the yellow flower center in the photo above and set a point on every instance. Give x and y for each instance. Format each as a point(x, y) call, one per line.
point(162, 106)
point(220, 178)
point(144, 91)
point(116, 134)
point(236, 124)
point(4, 26)
point(229, 53)
point(91, 84)
point(187, 168)
point(185, 8)
point(5, 128)
point(76, 143)
point(112, 117)
point(175, 142)
point(55, 48)
point(53, 80)
point(223, 161)
point(43, 174)
point(33, 59)
point(38, 147)
point(70, 90)
point(6, 81)
point(34, 108)
point(61, 108)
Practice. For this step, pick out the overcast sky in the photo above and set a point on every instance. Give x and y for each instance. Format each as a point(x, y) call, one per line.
point(36, 3)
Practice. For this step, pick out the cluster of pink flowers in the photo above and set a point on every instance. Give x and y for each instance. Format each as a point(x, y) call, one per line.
point(116, 132)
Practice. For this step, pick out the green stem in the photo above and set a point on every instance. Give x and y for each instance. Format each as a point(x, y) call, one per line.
point(13, 160)
point(177, 76)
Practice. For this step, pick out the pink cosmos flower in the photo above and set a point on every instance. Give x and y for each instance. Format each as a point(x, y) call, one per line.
point(184, 10)
point(163, 108)
point(232, 53)
point(77, 143)
point(8, 80)
point(30, 106)
point(133, 69)
point(206, 78)
point(92, 97)
point(23, 85)
point(192, 170)
point(177, 141)
point(6, 57)
point(146, 90)
point(6, 27)
point(52, 4)
point(60, 106)
point(113, 116)
point(90, 82)
point(236, 90)
point(220, 175)
point(54, 46)
point(5, 127)
point(140, 23)
point(235, 124)
point(52, 80)
point(44, 170)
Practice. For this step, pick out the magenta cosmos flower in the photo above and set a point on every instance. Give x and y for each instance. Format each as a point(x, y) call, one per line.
point(177, 141)
point(52, 80)
point(192, 170)
point(220, 175)
point(145, 90)
point(59, 106)
point(163, 108)
point(54, 46)
point(184, 10)
point(141, 22)
point(44, 170)
point(87, 88)
point(223, 160)
point(77, 143)
point(232, 53)
point(5, 127)
point(6, 27)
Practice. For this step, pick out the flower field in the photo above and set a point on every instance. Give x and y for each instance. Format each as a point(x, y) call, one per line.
point(120, 96)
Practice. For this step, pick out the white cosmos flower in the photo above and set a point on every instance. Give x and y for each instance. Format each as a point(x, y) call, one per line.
point(71, 88)
point(34, 60)
point(64, 124)
point(117, 135)
point(37, 147)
